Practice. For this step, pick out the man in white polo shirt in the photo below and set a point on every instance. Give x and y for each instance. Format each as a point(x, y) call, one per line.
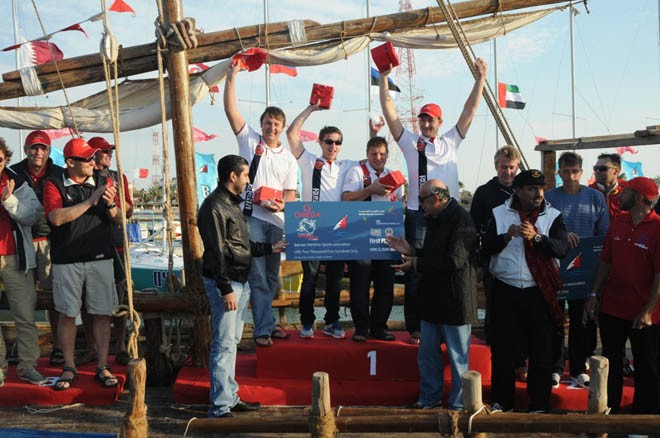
point(322, 181)
point(273, 166)
point(428, 156)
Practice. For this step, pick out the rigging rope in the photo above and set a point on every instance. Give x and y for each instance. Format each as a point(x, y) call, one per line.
point(466, 49)
point(113, 101)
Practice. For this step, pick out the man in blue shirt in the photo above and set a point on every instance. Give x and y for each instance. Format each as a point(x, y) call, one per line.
point(585, 215)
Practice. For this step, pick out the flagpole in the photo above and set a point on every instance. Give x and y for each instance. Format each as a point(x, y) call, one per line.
point(496, 89)
point(572, 69)
point(267, 70)
point(368, 65)
point(19, 101)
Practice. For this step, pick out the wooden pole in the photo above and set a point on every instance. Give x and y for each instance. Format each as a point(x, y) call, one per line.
point(471, 384)
point(184, 150)
point(135, 421)
point(548, 162)
point(322, 420)
point(428, 421)
point(223, 49)
point(599, 367)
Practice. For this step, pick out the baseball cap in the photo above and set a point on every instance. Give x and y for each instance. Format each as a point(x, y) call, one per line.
point(432, 110)
point(642, 185)
point(78, 148)
point(37, 137)
point(531, 177)
point(100, 143)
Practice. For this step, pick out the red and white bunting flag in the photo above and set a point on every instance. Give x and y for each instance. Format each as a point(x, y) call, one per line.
point(199, 136)
point(306, 136)
point(195, 68)
point(121, 6)
point(41, 52)
point(539, 140)
point(623, 149)
point(141, 173)
point(284, 69)
point(77, 27)
point(58, 133)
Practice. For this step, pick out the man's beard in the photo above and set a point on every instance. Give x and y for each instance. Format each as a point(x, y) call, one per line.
point(628, 204)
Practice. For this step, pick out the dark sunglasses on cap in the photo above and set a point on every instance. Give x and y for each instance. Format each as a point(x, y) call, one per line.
point(603, 168)
point(83, 160)
point(329, 142)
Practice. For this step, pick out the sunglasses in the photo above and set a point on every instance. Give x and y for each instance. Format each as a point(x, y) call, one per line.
point(329, 142)
point(602, 168)
point(421, 199)
point(83, 160)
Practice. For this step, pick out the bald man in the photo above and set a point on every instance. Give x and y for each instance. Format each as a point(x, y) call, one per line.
point(446, 263)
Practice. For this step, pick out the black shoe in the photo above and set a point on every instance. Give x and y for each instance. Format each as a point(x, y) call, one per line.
point(246, 406)
point(225, 415)
point(383, 336)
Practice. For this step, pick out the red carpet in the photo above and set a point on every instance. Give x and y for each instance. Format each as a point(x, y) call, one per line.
point(375, 373)
point(84, 390)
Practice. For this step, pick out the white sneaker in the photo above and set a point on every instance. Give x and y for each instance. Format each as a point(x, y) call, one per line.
point(307, 332)
point(556, 378)
point(582, 380)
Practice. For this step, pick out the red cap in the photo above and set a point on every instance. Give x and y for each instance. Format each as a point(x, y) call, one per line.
point(100, 143)
point(432, 110)
point(37, 137)
point(642, 185)
point(78, 148)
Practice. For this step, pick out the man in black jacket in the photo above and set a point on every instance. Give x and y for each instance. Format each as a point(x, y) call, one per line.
point(446, 263)
point(225, 266)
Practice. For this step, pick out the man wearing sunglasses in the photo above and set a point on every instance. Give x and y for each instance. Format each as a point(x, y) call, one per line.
point(36, 168)
point(606, 173)
point(446, 263)
point(428, 155)
point(81, 209)
point(322, 181)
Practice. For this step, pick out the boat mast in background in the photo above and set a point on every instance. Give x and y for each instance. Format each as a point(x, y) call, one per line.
point(19, 101)
point(572, 12)
point(267, 65)
point(496, 90)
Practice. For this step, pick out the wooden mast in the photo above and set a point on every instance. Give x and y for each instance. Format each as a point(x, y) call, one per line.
point(220, 45)
point(184, 151)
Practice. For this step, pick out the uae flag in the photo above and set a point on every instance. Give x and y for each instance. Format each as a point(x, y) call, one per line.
point(508, 96)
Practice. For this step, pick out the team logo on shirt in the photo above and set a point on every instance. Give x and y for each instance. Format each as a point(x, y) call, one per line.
point(421, 144)
point(643, 242)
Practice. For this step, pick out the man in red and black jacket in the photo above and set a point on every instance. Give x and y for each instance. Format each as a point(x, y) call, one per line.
point(35, 169)
point(606, 172)
point(81, 209)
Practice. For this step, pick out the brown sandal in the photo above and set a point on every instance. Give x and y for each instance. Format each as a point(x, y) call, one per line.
point(279, 334)
point(263, 341)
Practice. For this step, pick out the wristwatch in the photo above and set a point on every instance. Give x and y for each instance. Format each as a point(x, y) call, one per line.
point(538, 238)
point(110, 206)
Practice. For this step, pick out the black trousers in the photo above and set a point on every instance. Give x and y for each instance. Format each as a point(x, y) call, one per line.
point(415, 229)
point(581, 341)
point(520, 317)
point(334, 272)
point(362, 273)
point(644, 344)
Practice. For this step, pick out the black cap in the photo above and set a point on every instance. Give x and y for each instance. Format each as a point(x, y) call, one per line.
point(531, 177)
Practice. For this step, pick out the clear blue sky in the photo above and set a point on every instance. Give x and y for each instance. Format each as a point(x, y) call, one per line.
point(617, 71)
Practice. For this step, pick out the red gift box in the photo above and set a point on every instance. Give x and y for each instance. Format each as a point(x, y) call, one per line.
point(384, 56)
point(394, 179)
point(252, 59)
point(264, 193)
point(322, 94)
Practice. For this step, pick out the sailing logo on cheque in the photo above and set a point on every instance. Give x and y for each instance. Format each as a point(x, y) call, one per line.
point(307, 223)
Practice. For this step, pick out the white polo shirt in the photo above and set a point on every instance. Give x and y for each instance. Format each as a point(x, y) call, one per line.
point(441, 162)
point(277, 170)
point(355, 181)
point(332, 176)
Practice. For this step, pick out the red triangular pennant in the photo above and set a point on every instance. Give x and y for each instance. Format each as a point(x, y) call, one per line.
point(121, 6)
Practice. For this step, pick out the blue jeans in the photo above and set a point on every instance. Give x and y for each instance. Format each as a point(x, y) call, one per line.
point(431, 367)
point(264, 277)
point(227, 329)
point(334, 272)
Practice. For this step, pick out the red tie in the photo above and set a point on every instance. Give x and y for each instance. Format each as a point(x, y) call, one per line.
point(431, 139)
point(329, 162)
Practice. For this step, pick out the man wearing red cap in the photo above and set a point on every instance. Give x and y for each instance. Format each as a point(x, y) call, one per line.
point(428, 156)
point(19, 210)
point(81, 208)
point(35, 169)
point(626, 292)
